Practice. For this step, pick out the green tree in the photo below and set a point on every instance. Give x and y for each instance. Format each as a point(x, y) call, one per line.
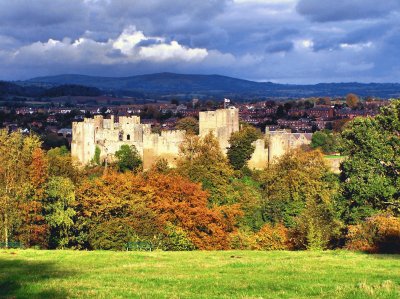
point(96, 158)
point(241, 147)
point(59, 212)
point(370, 177)
point(189, 124)
point(128, 158)
point(325, 140)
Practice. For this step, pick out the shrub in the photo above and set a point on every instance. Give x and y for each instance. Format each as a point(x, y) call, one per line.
point(242, 240)
point(113, 234)
point(176, 239)
point(272, 238)
point(378, 234)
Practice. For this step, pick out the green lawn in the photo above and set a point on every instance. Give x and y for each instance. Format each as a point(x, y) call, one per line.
point(223, 274)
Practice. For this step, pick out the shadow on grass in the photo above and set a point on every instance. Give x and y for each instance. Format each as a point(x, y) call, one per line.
point(28, 279)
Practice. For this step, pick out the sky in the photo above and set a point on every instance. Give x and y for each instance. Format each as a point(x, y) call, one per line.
point(283, 41)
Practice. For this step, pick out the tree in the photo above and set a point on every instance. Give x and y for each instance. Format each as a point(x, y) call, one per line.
point(33, 230)
point(15, 159)
point(241, 147)
point(325, 140)
point(202, 161)
point(370, 176)
point(152, 207)
point(112, 210)
point(298, 191)
point(61, 164)
point(189, 124)
point(59, 212)
point(352, 100)
point(128, 158)
point(96, 158)
point(324, 101)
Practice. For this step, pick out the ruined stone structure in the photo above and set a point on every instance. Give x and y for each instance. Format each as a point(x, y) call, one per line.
point(108, 136)
point(222, 123)
point(274, 145)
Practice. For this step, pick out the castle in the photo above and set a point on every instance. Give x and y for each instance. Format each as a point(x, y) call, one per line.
point(107, 136)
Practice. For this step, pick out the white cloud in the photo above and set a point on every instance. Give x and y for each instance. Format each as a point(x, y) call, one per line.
point(356, 47)
point(128, 44)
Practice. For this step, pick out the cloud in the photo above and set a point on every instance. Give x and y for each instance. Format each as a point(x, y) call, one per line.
point(295, 41)
point(128, 47)
point(339, 10)
point(284, 46)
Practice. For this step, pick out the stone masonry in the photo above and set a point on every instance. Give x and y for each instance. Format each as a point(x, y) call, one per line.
point(108, 136)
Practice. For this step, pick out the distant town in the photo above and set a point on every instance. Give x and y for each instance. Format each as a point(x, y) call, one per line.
point(52, 118)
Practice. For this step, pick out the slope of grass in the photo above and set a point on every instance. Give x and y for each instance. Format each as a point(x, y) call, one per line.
point(223, 274)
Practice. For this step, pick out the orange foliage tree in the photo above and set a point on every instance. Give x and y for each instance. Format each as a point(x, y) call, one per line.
point(146, 204)
point(34, 229)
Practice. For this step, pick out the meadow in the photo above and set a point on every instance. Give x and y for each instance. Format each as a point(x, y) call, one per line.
point(197, 274)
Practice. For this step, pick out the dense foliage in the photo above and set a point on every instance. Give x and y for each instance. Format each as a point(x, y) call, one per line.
point(326, 140)
point(208, 201)
point(241, 147)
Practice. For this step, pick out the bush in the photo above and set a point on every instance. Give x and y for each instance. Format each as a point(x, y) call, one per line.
point(269, 237)
point(110, 235)
point(242, 240)
point(272, 238)
point(176, 239)
point(378, 234)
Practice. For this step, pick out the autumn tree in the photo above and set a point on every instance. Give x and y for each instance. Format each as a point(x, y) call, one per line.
point(352, 100)
point(189, 124)
point(15, 159)
point(61, 164)
point(201, 160)
point(119, 207)
point(178, 201)
point(33, 229)
point(241, 147)
point(112, 210)
point(297, 191)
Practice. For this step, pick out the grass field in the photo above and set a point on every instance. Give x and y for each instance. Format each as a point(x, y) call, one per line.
point(223, 274)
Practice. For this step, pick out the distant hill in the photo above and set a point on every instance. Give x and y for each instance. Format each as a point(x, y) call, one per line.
point(71, 90)
point(170, 84)
point(12, 89)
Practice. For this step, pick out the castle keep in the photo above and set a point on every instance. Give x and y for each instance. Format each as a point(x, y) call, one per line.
point(222, 123)
point(108, 136)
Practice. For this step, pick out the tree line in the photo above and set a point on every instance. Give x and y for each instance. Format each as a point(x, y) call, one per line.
point(210, 201)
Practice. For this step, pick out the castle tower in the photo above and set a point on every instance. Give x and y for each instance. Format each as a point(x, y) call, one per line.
point(222, 123)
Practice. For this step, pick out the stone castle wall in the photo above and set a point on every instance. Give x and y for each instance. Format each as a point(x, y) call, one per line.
point(109, 136)
point(222, 123)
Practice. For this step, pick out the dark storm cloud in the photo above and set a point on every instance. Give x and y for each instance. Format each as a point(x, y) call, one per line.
point(339, 10)
point(40, 12)
point(278, 40)
point(284, 46)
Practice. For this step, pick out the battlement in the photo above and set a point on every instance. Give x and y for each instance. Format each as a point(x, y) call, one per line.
point(108, 136)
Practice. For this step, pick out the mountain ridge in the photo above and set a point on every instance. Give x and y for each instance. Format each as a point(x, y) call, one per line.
point(170, 84)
